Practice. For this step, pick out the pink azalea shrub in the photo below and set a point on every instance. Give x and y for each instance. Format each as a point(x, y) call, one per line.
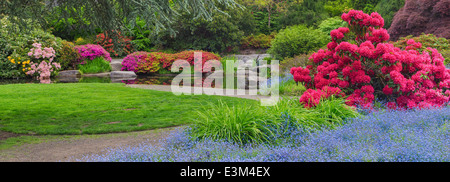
point(360, 63)
point(42, 65)
point(90, 52)
point(130, 63)
point(145, 62)
point(141, 62)
point(39, 52)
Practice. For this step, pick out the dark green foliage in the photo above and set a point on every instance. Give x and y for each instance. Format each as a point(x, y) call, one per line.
point(69, 28)
point(387, 9)
point(310, 12)
point(336, 7)
point(111, 15)
point(297, 40)
point(262, 19)
point(141, 36)
point(222, 34)
point(366, 5)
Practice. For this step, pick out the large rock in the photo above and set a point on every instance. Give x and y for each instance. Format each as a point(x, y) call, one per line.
point(69, 73)
point(417, 16)
point(123, 74)
point(116, 66)
point(252, 57)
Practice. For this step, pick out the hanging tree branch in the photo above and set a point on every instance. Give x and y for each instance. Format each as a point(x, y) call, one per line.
point(110, 15)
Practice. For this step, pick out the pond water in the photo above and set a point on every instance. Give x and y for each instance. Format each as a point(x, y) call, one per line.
point(141, 80)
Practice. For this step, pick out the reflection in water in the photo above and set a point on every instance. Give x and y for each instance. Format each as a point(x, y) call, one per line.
point(45, 81)
point(143, 80)
point(167, 80)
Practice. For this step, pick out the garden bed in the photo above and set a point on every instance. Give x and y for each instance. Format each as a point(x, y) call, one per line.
point(385, 136)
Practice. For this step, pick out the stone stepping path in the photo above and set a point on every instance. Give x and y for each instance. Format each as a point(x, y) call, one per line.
point(116, 64)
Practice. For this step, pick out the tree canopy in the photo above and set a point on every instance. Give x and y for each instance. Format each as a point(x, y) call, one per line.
point(110, 14)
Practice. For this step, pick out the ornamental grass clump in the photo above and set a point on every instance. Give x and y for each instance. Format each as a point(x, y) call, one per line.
point(252, 123)
point(241, 124)
point(360, 63)
point(98, 65)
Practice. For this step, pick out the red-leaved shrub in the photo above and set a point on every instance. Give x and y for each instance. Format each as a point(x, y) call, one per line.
point(360, 63)
point(120, 46)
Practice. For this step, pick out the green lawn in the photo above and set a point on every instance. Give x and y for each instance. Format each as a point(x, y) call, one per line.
point(93, 108)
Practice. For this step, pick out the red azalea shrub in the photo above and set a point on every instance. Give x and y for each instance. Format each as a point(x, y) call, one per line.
point(311, 98)
point(189, 57)
point(144, 62)
point(121, 46)
point(360, 63)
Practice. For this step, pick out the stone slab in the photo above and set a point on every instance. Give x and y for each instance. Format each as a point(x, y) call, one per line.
point(123, 74)
point(69, 73)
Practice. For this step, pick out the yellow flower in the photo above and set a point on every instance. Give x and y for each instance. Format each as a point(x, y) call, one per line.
point(9, 57)
point(23, 69)
point(12, 60)
point(23, 66)
point(29, 68)
point(18, 62)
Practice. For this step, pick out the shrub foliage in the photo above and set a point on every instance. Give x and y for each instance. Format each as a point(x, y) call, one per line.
point(147, 63)
point(297, 40)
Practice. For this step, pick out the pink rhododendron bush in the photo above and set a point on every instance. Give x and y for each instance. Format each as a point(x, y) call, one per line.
point(360, 65)
point(42, 65)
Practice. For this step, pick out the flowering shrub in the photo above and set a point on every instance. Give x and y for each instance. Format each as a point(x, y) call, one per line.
point(121, 46)
point(90, 52)
point(67, 56)
point(17, 64)
point(409, 78)
point(141, 62)
point(428, 40)
point(42, 64)
point(16, 45)
point(144, 62)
